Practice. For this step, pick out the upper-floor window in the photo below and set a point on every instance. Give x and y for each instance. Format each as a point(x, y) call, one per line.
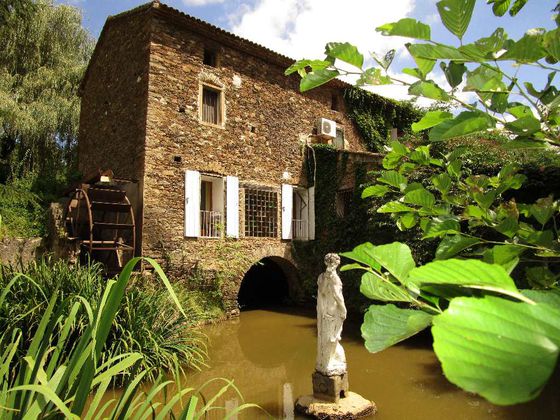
point(211, 105)
point(335, 106)
point(210, 57)
point(338, 141)
point(261, 213)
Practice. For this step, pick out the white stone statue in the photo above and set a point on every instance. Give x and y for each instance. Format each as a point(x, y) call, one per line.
point(331, 313)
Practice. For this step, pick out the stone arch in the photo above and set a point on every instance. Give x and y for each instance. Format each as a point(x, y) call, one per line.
point(272, 278)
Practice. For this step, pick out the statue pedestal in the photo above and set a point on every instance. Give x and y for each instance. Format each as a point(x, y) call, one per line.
point(352, 406)
point(329, 388)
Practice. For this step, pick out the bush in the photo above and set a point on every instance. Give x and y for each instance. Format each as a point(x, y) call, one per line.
point(148, 321)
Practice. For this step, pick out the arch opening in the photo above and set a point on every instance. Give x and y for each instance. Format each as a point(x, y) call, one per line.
point(268, 283)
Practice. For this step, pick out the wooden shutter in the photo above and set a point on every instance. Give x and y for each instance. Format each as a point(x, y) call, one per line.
point(192, 204)
point(232, 202)
point(287, 204)
point(311, 215)
point(210, 106)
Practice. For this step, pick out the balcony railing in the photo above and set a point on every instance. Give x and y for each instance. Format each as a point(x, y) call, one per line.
point(211, 225)
point(299, 229)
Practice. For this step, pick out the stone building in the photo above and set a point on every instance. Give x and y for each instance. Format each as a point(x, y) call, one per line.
point(214, 135)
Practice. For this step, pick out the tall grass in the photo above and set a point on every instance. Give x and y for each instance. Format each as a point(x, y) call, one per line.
point(148, 322)
point(66, 375)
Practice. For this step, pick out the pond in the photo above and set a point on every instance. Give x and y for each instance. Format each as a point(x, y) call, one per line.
point(270, 354)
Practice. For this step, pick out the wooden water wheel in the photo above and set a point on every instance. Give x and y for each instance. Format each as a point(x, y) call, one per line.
point(100, 217)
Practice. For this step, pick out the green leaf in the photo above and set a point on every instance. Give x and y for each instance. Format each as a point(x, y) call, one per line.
point(517, 6)
point(442, 182)
point(453, 72)
point(386, 325)
point(524, 126)
point(435, 52)
point(502, 350)
point(550, 297)
point(466, 122)
point(540, 277)
point(301, 66)
point(505, 255)
point(500, 7)
point(374, 77)
point(396, 258)
point(527, 50)
point(551, 43)
point(413, 72)
point(428, 89)
point(543, 209)
point(375, 191)
point(407, 27)
point(454, 169)
point(317, 78)
point(394, 179)
point(440, 226)
point(484, 79)
point(472, 274)
point(456, 15)
point(407, 221)
point(363, 254)
point(520, 111)
point(394, 207)
point(451, 245)
point(346, 52)
point(420, 197)
point(431, 119)
point(374, 288)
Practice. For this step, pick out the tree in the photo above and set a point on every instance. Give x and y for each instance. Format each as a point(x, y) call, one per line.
point(491, 337)
point(43, 55)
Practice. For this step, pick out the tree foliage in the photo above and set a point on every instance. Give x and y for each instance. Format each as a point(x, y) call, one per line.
point(43, 55)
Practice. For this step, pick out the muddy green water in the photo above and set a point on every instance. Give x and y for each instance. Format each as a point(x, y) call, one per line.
point(270, 355)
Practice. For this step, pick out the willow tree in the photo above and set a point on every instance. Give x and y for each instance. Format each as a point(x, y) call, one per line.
point(43, 55)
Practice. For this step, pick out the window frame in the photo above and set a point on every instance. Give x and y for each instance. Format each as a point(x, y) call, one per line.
point(221, 115)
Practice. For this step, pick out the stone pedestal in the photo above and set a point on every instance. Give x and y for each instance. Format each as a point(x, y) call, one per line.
point(329, 388)
point(353, 406)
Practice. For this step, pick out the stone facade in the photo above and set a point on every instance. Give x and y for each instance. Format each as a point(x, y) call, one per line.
point(141, 117)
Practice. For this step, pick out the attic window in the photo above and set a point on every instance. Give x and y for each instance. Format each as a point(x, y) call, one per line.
point(209, 57)
point(334, 102)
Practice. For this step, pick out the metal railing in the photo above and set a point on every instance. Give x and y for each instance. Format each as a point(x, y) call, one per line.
point(299, 229)
point(211, 225)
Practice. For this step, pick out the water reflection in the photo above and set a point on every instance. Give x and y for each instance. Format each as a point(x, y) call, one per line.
point(270, 355)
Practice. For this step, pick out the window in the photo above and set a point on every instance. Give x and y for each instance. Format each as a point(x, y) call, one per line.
point(211, 106)
point(210, 57)
point(204, 205)
point(334, 102)
point(300, 214)
point(338, 141)
point(261, 213)
point(344, 202)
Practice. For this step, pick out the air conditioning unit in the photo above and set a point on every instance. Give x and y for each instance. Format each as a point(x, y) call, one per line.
point(326, 128)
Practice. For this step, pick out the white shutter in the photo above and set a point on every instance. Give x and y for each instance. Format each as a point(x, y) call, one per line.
point(232, 202)
point(311, 215)
point(192, 204)
point(287, 203)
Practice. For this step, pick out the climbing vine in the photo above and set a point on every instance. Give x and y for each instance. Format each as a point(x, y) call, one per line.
point(375, 116)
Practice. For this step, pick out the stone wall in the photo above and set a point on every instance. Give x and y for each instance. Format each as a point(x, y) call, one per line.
point(267, 123)
point(20, 251)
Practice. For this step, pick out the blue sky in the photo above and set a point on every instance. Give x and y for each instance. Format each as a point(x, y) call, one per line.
point(300, 28)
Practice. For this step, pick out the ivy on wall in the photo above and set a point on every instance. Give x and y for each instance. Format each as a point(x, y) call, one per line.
point(375, 116)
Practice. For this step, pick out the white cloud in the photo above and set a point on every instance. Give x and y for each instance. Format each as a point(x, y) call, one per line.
point(301, 28)
point(201, 2)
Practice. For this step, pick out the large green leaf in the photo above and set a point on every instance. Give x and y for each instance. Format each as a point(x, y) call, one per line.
point(505, 255)
point(439, 226)
point(500, 7)
point(316, 78)
point(375, 191)
point(442, 182)
point(451, 245)
point(502, 350)
point(394, 207)
point(466, 122)
point(346, 52)
point(406, 27)
point(552, 43)
point(436, 52)
point(385, 325)
point(420, 197)
point(472, 274)
point(362, 253)
point(428, 89)
point(527, 50)
point(394, 179)
point(374, 288)
point(431, 119)
point(456, 15)
point(396, 258)
point(453, 72)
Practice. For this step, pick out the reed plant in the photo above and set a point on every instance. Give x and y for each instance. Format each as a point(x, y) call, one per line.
point(67, 374)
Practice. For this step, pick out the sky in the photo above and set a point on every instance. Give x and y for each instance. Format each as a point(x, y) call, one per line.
point(301, 28)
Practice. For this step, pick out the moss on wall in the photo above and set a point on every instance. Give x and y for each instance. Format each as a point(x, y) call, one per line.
point(375, 116)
